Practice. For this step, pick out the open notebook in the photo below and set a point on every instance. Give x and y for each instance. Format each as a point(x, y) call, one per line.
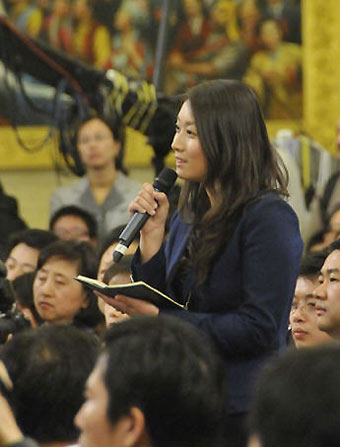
point(138, 289)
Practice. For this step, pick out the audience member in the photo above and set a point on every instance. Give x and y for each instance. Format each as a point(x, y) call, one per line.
point(115, 274)
point(105, 190)
point(297, 399)
point(58, 297)
point(11, 321)
point(74, 223)
point(224, 258)
point(303, 318)
point(328, 293)
point(158, 383)
point(48, 368)
point(23, 295)
point(23, 248)
point(11, 222)
point(108, 247)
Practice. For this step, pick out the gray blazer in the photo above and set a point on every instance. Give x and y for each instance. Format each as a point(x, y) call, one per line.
point(110, 214)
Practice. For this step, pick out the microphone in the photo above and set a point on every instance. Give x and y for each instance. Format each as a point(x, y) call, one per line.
point(162, 183)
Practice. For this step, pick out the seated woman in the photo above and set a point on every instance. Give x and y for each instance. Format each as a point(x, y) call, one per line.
point(104, 190)
point(58, 298)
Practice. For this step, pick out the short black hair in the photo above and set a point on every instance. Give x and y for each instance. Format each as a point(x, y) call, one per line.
point(316, 238)
point(33, 237)
point(297, 399)
point(311, 263)
point(49, 367)
point(84, 255)
point(335, 245)
point(73, 210)
point(168, 369)
point(23, 293)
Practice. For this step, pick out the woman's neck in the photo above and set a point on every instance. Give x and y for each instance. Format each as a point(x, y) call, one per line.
point(101, 181)
point(101, 178)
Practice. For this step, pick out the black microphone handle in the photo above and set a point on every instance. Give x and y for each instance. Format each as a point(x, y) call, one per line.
point(135, 224)
point(162, 183)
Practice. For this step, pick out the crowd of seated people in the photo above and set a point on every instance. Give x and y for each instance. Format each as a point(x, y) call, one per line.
point(41, 267)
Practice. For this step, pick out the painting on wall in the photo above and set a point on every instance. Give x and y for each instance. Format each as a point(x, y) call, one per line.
point(257, 41)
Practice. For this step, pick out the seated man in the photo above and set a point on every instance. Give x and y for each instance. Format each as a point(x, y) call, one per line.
point(157, 383)
point(22, 250)
point(74, 223)
point(48, 368)
point(117, 273)
point(297, 400)
point(303, 317)
point(328, 293)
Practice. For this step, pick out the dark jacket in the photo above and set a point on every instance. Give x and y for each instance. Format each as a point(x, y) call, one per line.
point(244, 305)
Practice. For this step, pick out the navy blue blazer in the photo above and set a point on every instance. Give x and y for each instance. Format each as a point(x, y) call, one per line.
point(244, 305)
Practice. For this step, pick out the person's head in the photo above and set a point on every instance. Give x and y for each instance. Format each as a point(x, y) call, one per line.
point(58, 297)
point(100, 143)
point(117, 273)
point(23, 250)
point(270, 33)
point(61, 8)
point(82, 10)
point(23, 295)
point(158, 383)
point(108, 247)
point(222, 150)
point(328, 292)
point(49, 367)
point(193, 8)
point(222, 124)
point(303, 318)
point(74, 223)
point(297, 399)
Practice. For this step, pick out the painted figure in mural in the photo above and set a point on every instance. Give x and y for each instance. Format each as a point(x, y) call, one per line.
point(289, 16)
point(26, 16)
point(218, 52)
point(91, 39)
point(275, 73)
point(57, 30)
point(248, 17)
point(131, 52)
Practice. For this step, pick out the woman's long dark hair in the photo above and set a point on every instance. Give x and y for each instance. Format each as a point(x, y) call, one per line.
point(241, 166)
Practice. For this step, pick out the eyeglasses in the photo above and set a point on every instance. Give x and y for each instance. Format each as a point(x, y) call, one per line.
point(97, 138)
point(75, 233)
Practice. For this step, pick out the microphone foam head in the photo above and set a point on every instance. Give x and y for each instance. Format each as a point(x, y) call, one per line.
point(165, 180)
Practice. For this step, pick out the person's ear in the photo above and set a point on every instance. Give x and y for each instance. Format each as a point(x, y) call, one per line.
point(133, 429)
point(87, 297)
point(118, 147)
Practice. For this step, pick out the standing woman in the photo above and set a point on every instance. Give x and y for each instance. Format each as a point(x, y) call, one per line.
point(233, 252)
